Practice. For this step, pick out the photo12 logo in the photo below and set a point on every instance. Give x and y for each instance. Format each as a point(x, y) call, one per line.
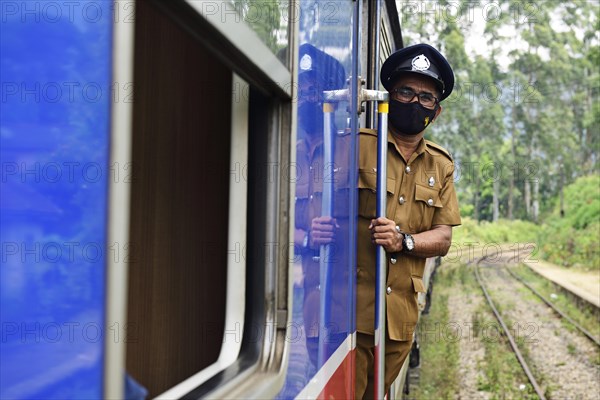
point(66, 92)
point(74, 12)
point(72, 172)
point(467, 12)
point(66, 332)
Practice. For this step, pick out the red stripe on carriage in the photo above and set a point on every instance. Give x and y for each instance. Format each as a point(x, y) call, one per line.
point(341, 384)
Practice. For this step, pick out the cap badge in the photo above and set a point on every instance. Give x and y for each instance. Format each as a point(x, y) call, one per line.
point(420, 63)
point(306, 63)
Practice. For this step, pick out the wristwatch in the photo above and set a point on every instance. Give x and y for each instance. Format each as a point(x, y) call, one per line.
point(408, 242)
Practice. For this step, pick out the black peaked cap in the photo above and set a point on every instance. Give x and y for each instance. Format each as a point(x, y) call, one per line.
point(420, 59)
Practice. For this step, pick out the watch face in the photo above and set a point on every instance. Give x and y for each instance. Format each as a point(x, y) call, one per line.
point(409, 242)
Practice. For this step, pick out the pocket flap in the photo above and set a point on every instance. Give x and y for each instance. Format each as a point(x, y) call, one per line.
point(418, 284)
point(429, 196)
point(367, 179)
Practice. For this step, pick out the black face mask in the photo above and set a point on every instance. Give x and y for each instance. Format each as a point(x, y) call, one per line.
point(310, 117)
point(410, 118)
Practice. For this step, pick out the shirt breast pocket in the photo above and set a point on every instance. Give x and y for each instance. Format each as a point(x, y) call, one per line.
point(427, 202)
point(367, 193)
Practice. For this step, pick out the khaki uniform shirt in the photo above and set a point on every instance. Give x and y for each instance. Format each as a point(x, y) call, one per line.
point(420, 194)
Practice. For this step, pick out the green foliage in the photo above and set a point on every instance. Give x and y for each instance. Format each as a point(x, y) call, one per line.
point(567, 246)
point(466, 209)
point(582, 202)
point(573, 239)
point(569, 240)
point(503, 231)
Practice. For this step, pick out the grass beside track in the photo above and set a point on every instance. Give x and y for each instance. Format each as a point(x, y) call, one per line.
point(439, 357)
point(501, 376)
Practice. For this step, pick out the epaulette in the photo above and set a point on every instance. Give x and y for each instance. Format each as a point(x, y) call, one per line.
point(439, 148)
point(368, 131)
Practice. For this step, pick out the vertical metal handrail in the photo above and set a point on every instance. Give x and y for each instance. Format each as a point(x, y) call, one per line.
point(325, 250)
point(381, 273)
point(382, 97)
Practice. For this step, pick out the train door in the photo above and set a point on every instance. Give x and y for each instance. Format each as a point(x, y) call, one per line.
point(322, 339)
point(341, 44)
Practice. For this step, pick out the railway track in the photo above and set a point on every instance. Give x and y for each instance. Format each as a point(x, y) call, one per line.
point(508, 334)
point(549, 303)
point(548, 373)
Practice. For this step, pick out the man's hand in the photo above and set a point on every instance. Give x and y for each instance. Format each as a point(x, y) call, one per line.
point(384, 233)
point(322, 231)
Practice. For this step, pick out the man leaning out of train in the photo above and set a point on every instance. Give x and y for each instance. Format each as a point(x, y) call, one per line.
point(421, 210)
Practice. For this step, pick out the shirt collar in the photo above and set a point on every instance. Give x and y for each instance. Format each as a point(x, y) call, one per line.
point(421, 147)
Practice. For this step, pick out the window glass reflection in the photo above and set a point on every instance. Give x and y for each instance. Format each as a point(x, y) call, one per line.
point(322, 317)
point(270, 20)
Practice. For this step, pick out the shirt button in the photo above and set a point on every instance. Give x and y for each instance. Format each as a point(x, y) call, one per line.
point(388, 290)
point(430, 202)
point(407, 169)
point(393, 260)
point(311, 197)
point(401, 200)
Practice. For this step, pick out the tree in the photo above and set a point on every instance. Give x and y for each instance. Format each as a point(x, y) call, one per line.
point(537, 121)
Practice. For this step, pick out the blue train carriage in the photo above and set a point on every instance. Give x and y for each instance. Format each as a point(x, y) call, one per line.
point(55, 125)
point(155, 196)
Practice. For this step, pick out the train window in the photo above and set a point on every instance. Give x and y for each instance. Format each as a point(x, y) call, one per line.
point(207, 291)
